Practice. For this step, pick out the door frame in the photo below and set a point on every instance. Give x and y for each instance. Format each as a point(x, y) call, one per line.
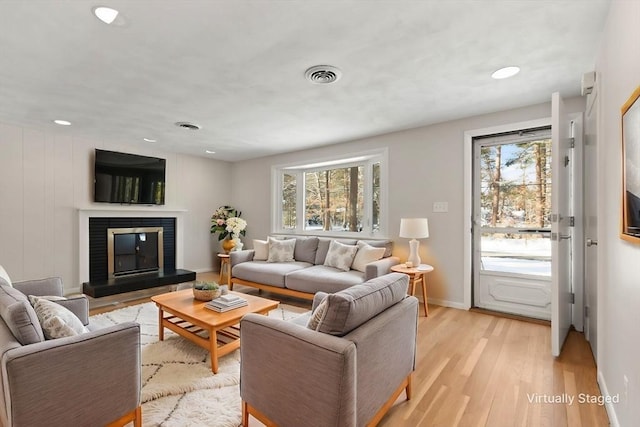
point(578, 243)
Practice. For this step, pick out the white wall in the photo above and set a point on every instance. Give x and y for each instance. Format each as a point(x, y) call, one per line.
point(45, 177)
point(618, 74)
point(425, 166)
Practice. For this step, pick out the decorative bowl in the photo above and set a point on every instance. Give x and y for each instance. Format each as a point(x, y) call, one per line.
point(206, 294)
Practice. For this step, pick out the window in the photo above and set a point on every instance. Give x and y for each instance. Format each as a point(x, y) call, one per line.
point(342, 196)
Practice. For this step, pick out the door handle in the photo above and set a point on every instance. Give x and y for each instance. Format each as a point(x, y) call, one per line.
point(591, 242)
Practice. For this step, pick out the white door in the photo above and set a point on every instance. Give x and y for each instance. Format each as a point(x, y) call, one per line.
point(512, 202)
point(561, 230)
point(591, 221)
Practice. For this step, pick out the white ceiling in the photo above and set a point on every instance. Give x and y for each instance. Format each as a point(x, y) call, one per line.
point(236, 67)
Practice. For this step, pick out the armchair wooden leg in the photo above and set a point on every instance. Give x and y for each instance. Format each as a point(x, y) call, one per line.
point(245, 414)
point(408, 388)
point(135, 416)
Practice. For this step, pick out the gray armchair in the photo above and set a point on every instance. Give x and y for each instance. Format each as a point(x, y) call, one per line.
point(346, 372)
point(91, 379)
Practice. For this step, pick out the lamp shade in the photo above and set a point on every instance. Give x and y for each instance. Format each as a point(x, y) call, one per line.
point(414, 228)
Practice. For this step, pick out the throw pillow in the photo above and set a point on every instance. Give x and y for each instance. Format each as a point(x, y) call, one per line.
point(317, 315)
point(281, 250)
point(19, 316)
point(351, 307)
point(56, 320)
point(366, 254)
point(260, 250)
point(340, 256)
point(5, 276)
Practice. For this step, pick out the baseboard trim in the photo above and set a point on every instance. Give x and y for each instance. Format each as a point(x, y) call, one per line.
point(446, 303)
point(611, 411)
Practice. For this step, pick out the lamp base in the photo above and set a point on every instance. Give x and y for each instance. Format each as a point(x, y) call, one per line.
point(414, 258)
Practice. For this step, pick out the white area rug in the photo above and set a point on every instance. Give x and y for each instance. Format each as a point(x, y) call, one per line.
point(178, 387)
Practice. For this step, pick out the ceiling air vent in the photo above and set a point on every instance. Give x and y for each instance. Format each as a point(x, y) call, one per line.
point(323, 74)
point(187, 125)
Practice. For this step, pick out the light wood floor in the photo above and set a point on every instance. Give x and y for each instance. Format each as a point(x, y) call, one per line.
point(475, 369)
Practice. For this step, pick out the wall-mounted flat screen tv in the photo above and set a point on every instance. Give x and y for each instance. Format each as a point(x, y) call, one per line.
point(129, 178)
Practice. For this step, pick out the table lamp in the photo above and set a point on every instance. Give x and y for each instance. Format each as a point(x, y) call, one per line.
point(414, 228)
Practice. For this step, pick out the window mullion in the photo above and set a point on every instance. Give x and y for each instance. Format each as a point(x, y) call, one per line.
point(300, 198)
point(367, 196)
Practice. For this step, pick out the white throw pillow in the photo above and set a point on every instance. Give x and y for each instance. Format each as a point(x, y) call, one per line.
point(281, 250)
point(340, 256)
point(261, 250)
point(365, 255)
point(56, 321)
point(5, 276)
point(317, 315)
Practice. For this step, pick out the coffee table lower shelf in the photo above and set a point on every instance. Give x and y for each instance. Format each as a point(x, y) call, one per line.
point(218, 342)
point(219, 333)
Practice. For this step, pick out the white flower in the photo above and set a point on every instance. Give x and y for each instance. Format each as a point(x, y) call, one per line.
point(235, 225)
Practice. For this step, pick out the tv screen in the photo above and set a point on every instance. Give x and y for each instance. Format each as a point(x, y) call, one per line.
point(129, 178)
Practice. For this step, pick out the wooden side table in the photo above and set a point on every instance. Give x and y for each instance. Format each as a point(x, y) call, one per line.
point(416, 276)
point(225, 268)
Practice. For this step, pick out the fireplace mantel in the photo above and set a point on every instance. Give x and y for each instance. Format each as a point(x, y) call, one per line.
point(118, 212)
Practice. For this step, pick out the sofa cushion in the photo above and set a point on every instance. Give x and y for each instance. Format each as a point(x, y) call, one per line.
point(281, 250)
point(323, 248)
point(19, 316)
point(56, 321)
point(366, 254)
point(350, 308)
point(306, 248)
point(260, 250)
point(320, 278)
point(267, 273)
point(386, 244)
point(4, 277)
point(340, 256)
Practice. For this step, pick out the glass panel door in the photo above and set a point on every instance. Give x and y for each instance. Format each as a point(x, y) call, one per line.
point(512, 202)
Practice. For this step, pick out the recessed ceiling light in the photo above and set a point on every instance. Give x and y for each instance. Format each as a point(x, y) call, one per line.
point(505, 73)
point(105, 14)
point(62, 122)
point(150, 140)
point(210, 152)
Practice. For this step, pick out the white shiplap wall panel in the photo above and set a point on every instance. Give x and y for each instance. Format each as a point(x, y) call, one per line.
point(34, 203)
point(11, 201)
point(64, 212)
point(49, 207)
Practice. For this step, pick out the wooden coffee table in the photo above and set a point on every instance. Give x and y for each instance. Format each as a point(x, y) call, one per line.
point(217, 332)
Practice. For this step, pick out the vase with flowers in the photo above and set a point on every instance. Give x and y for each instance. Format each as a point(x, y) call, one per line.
point(226, 221)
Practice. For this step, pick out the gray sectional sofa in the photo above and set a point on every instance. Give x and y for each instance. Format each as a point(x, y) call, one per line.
point(307, 273)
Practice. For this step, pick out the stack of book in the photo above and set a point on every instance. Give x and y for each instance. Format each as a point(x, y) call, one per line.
point(226, 302)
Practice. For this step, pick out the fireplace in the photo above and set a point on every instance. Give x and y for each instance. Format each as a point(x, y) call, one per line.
point(134, 250)
point(129, 253)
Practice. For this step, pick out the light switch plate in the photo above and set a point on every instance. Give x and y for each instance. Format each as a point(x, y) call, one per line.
point(441, 206)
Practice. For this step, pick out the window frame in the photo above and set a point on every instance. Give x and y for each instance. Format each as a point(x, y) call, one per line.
point(366, 159)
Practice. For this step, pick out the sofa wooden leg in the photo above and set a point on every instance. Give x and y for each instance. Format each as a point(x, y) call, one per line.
point(408, 388)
